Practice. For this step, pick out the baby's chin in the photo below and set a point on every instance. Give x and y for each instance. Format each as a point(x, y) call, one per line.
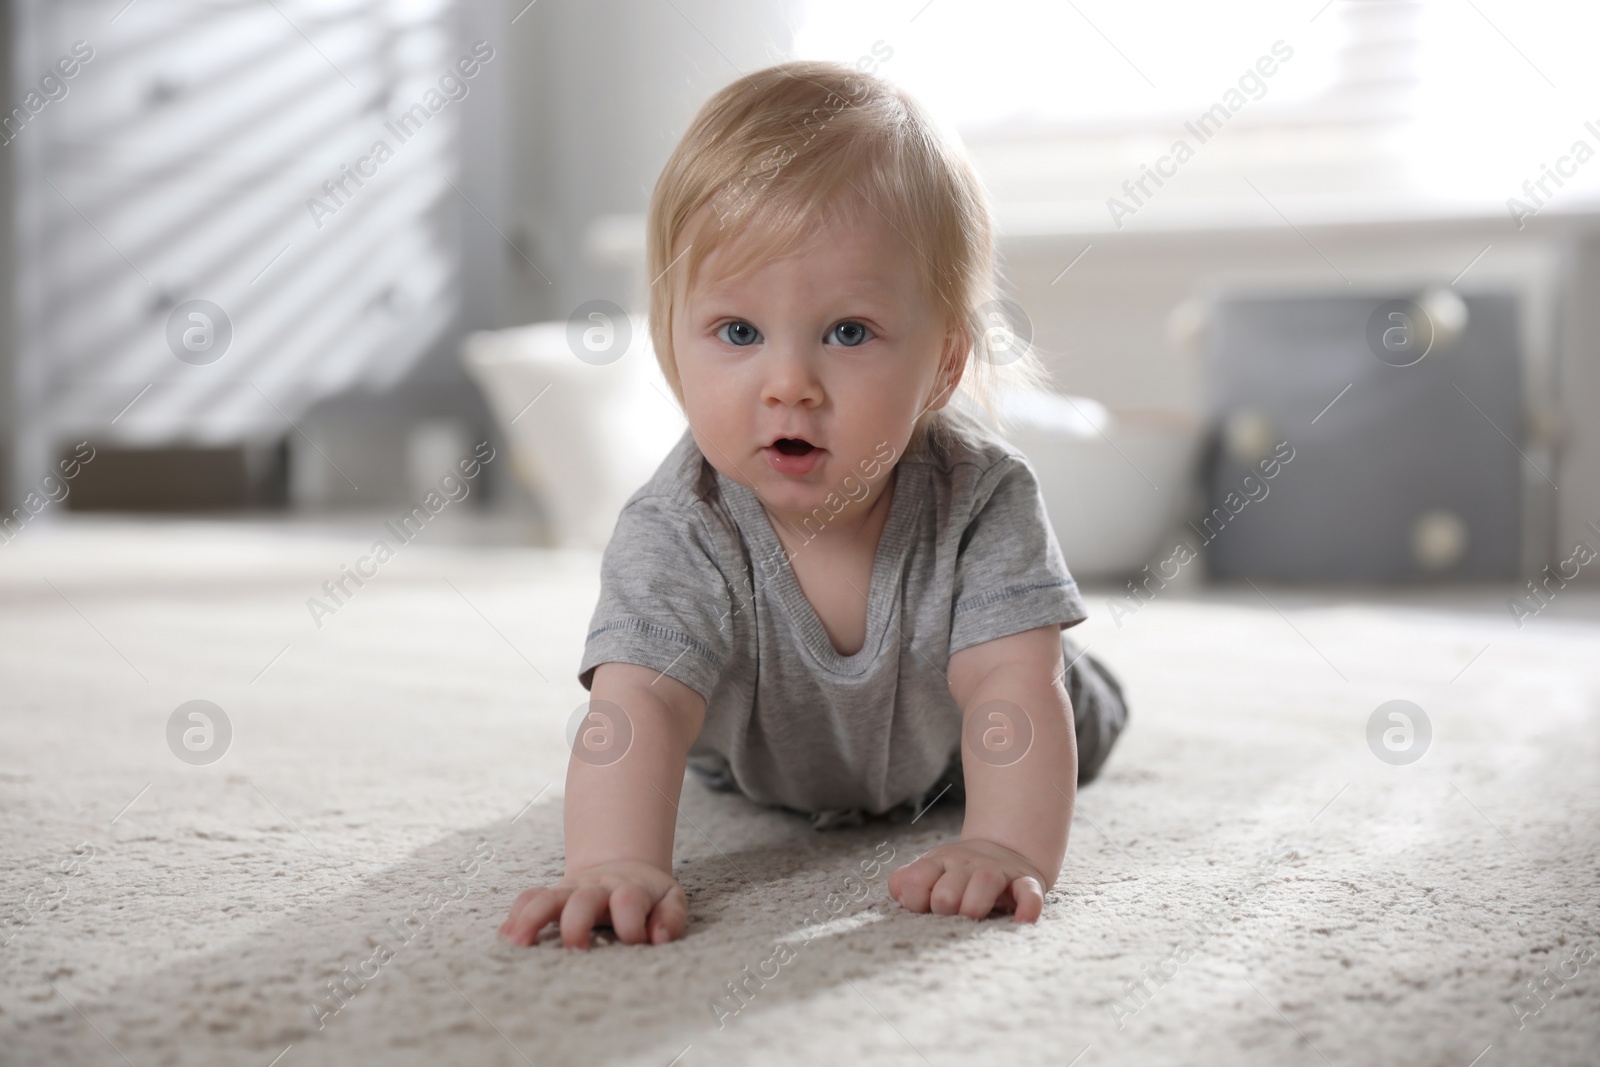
point(798, 503)
point(833, 497)
point(791, 495)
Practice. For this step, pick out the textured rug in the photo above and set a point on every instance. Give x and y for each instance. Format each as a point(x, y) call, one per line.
point(312, 872)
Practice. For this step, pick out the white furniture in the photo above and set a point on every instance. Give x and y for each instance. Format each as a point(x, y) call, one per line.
point(594, 434)
point(1114, 484)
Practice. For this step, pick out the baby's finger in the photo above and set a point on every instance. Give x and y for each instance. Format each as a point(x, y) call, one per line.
point(912, 885)
point(983, 890)
point(514, 913)
point(896, 876)
point(670, 917)
point(948, 891)
point(516, 906)
point(1029, 895)
point(539, 908)
point(629, 906)
point(583, 910)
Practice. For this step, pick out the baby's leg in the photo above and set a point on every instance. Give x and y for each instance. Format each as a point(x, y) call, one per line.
point(1098, 708)
point(1099, 713)
point(713, 770)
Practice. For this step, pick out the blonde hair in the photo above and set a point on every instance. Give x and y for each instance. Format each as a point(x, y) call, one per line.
point(772, 155)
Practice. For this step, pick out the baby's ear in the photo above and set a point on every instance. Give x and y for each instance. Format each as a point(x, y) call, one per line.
point(953, 360)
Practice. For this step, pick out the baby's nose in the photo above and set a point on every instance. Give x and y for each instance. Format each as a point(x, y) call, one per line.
point(791, 376)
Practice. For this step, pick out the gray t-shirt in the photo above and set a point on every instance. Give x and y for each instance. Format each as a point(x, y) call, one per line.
point(695, 584)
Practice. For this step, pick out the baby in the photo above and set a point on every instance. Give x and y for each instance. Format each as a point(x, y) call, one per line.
point(839, 594)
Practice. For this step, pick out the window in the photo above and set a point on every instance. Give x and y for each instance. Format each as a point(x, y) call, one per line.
point(1380, 107)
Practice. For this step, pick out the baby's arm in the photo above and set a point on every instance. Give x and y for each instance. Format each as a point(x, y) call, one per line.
point(1019, 811)
point(620, 821)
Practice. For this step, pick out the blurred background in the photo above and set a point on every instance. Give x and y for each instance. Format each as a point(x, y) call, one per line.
point(289, 262)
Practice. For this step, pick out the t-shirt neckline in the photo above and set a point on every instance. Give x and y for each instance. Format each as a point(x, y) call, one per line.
point(887, 564)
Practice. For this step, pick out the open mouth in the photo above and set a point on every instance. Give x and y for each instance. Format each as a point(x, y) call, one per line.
point(793, 446)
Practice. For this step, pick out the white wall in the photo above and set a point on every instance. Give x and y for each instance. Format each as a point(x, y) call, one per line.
point(600, 92)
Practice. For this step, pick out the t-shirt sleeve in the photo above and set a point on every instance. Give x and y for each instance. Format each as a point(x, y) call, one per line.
point(664, 602)
point(1009, 574)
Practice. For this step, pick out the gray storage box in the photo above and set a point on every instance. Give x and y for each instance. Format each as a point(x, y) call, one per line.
point(1409, 474)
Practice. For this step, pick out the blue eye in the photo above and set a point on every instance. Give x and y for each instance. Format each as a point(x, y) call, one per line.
point(850, 334)
point(739, 333)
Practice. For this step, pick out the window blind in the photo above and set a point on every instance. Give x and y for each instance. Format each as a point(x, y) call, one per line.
point(285, 170)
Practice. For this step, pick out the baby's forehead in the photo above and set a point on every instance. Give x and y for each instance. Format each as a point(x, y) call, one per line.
point(833, 259)
point(818, 279)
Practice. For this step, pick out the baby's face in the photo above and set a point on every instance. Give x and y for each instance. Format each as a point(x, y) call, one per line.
point(836, 347)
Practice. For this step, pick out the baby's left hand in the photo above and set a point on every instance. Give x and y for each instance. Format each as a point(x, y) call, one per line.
point(972, 877)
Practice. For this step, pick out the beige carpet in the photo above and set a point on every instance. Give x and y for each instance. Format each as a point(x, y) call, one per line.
point(1295, 899)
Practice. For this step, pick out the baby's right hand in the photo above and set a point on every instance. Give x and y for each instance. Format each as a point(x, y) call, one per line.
point(640, 902)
